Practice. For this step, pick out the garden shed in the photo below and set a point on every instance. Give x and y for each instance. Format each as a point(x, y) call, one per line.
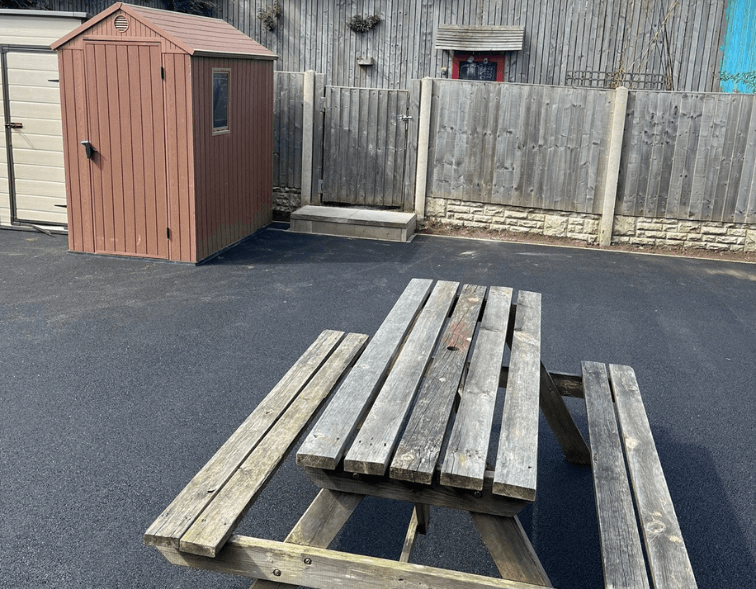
point(168, 131)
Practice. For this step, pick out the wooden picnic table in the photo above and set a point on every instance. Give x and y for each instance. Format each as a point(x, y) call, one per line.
point(411, 417)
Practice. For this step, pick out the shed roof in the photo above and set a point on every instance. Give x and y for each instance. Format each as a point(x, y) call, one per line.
point(197, 35)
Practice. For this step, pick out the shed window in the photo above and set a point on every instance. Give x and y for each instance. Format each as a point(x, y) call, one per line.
point(220, 101)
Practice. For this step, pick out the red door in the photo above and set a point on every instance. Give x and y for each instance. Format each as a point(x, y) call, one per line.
point(126, 148)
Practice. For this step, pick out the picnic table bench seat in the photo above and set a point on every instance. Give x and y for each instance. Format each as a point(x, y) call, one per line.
point(622, 555)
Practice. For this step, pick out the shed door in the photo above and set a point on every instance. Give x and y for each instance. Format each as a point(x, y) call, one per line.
point(126, 130)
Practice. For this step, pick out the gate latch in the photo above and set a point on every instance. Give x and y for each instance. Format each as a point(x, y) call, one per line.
point(405, 118)
point(14, 125)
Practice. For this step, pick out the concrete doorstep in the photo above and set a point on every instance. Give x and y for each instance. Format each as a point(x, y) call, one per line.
point(353, 222)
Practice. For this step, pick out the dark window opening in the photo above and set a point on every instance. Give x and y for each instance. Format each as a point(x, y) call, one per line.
point(220, 101)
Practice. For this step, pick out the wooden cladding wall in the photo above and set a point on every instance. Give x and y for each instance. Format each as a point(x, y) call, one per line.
point(679, 39)
point(232, 175)
point(689, 156)
point(520, 145)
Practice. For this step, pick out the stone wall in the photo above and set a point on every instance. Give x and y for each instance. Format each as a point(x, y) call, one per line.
point(638, 231)
point(285, 201)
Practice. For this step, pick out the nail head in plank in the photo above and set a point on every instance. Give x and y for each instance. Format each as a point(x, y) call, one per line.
point(259, 558)
point(319, 525)
point(417, 453)
point(667, 557)
point(516, 459)
point(465, 459)
point(621, 550)
point(216, 523)
point(170, 525)
point(325, 445)
point(373, 446)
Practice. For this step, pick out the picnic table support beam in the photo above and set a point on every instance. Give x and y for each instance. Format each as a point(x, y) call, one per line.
point(510, 548)
point(321, 568)
point(418, 525)
point(319, 525)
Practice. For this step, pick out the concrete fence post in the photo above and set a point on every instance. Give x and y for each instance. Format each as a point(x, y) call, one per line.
point(421, 177)
point(308, 114)
point(616, 133)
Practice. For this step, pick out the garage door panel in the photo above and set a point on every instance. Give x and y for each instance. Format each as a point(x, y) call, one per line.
point(38, 157)
point(47, 95)
point(33, 61)
point(35, 79)
point(35, 128)
point(35, 188)
point(41, 173)
point(37, 142)
point(37, 110)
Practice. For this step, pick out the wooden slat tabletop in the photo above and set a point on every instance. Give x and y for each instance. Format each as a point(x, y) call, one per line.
point(431, 419)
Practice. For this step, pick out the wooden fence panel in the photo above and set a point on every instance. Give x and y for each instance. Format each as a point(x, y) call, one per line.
point(287, 129)
point(689, 156)
point(364, 146)
point(519, 145)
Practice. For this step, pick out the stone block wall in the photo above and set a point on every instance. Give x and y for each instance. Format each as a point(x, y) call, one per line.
point(637, 231)
point(286, 200)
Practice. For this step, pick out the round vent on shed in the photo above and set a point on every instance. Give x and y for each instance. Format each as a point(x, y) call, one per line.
point(121, 23)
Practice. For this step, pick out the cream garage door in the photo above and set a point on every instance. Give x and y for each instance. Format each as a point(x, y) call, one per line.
point(36, 139)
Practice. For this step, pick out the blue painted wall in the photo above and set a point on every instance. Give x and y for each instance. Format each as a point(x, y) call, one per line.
point(738, 70)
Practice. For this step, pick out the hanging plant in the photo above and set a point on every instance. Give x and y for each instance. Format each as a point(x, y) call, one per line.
point(361, 24)
point(270, 14)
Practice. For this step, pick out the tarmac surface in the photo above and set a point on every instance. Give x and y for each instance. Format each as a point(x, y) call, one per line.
point(119, 378)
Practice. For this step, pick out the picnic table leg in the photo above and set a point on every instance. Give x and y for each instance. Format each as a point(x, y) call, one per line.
point(510, 548)
point(319, 525)
point(418, 525)
point(561, 422)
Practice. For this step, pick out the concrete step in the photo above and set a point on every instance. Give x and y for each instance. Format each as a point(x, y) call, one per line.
point(353, 222)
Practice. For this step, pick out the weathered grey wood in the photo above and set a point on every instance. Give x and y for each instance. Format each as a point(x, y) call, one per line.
point(216, 523)
point(621, 551)
point(465, 459)
point(667, 557)
point(284, 562)
point(319, 525)
point(372, 448)
point(325, 445)
point(561, 422)
point(170, 525)
point(418, 450)
point(418, 525)
point(517, 456)
point(510, 548)
point(483, 501)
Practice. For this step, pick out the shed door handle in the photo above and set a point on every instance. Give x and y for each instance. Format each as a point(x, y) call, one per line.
point(90, 149)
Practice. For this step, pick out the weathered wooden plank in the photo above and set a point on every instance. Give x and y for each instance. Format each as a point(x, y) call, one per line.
point(745, 206)
point(283, 562)
point(561, 422)
point(667, 557)
point(517, 456)
point(170, 525)
point(510, 548)
point(371, 450)
point(465, 459)
point(482, 501)
point(731, 131)
point(418, 525)
point(325, 445)
point(621, 550)
point(418, 450)
point(209, 532)
point(319, 525)
point(410, 155)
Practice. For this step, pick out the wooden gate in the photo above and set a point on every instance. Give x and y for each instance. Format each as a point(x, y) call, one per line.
point(364, 146)
point(128, 168)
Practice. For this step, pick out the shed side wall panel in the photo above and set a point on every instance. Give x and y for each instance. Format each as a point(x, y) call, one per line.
point(179, 156)
point(233, 176)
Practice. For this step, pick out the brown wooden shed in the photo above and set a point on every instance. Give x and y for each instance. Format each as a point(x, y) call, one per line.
point(168, 134)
